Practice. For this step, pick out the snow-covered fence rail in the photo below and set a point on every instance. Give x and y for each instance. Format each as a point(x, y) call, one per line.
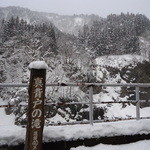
point(13, 85)
point(80, 84)
point(91, 103)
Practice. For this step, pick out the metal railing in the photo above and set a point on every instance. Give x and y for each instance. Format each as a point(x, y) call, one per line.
point(90, 86)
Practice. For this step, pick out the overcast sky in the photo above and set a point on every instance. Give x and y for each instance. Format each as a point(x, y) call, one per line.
point(69, 7)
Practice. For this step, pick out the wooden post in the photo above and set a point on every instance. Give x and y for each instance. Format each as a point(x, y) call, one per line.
point(34, 134)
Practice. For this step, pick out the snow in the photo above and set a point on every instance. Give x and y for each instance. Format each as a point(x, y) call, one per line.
point(141, 145)
point(10, 134)
point(58, 118)
point(113, 93)
point(116, 111)
point(144, 46)
point(38, 65)
point(74, 132)
point(6, 119)
point(13, 135)
point(119, 61)
point(78, 21)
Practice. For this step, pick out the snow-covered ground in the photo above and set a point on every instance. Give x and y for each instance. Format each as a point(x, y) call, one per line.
point(142, 145)
point(98, 130)
point(13, 135)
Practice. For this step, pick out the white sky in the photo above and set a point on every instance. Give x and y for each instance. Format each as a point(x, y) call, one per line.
point(69, 7)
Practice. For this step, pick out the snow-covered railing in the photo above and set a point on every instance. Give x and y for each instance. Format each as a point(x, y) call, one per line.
point(13, 85)
point(80, 84)
point(137, 101)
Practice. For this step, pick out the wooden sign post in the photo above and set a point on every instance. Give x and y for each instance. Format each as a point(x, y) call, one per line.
point(34, 134)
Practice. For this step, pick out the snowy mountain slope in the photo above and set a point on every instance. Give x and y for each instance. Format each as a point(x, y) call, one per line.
point(72, 24)
point(109, 69)
point(72, 63)
point(145, 46)
point(67, 24)
point(31, 17)
point(120, 61)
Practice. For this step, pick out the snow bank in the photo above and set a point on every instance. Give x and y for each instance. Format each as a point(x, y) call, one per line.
point(38, 65)
point(142, 145)
point(13, 135)
point(5, 120)
point(98, 130)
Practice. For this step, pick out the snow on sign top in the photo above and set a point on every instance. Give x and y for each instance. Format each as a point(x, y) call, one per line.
point(38, 65)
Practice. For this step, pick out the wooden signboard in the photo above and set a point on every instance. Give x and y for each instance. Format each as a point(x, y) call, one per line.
point(35, 124)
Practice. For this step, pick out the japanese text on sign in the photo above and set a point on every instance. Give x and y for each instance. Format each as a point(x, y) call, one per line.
point(36, 111)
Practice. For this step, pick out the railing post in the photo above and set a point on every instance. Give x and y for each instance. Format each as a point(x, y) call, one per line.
point(137, 103)
point(91, 104)
point(35, 125)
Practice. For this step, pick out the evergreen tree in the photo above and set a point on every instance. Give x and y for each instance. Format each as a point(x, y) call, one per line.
point(118, 34)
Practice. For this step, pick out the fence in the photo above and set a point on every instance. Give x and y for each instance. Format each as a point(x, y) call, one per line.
point(90, 87)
